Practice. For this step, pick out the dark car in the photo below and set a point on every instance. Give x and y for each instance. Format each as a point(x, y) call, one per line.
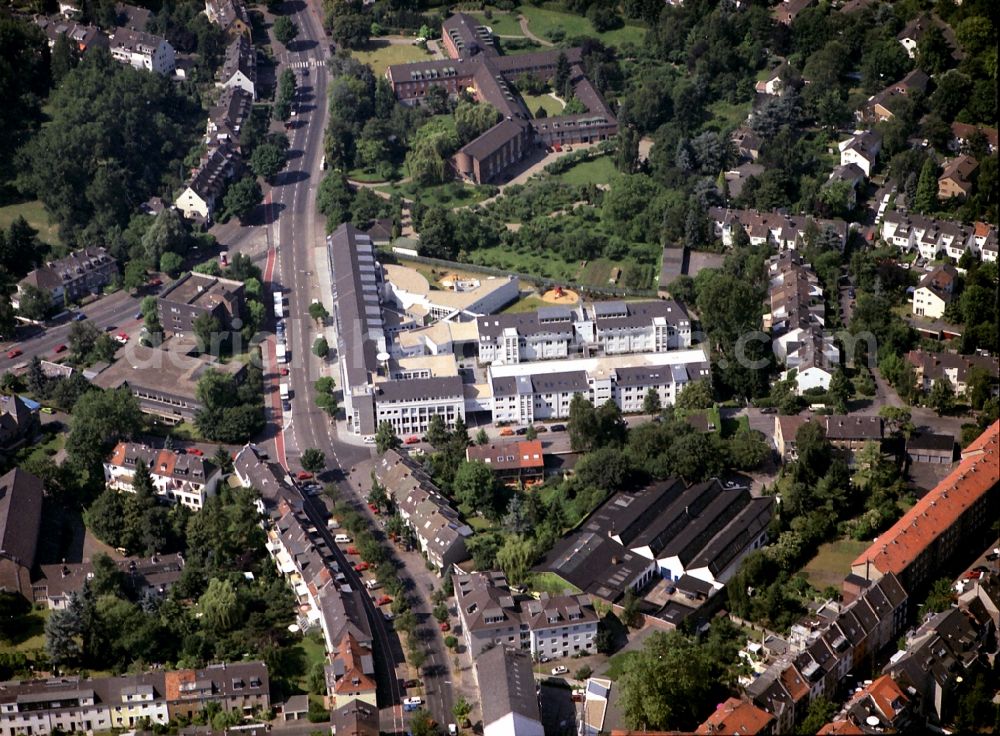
point(557, 428)
point(412, 683)
point(521, 430)
point(769, 410)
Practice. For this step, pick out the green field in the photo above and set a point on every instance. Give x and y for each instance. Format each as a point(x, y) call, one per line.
point(541, 21)
point(452, 194)
point(34, 212)
point(728, 115)
point(599, 170)
point(502, 23)
point(380, 54)
point(617, 664)
point(528, 304)
point(549, 582)
point(551, 105)
point(29, 633)
point(833, 562)
point(546, 265)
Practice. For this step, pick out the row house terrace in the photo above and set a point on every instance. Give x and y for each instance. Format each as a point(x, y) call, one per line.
point(931, 237)
point(785, 232)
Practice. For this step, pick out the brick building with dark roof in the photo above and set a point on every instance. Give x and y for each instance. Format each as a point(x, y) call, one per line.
point(517, 461)
point(20, 519)
point(944, 526)
point(474, 64)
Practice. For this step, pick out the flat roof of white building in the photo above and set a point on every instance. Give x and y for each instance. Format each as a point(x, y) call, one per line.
point(601, 366)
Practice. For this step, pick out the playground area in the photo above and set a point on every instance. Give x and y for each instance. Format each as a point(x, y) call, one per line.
point(559, 295)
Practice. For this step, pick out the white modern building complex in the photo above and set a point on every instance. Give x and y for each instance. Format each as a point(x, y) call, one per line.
point(409, 352)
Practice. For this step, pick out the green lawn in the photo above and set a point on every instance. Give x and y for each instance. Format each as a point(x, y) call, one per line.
point(728, 115)
point(451, 194)
point(380, 54)
point(599, 170)
point(364, 175)
point(502, 23)
point(528, 304)
point(542, 20)
point(478, 523)
point(616, 664)
point(551, 105)
point(833, 562)
point(29, 634)
point(547, 265)
point(34, 212)
point(549, 582)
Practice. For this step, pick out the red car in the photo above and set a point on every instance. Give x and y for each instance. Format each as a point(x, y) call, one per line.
point(61, 348)
point(303, 475)
point(361, 567)
point(384, 601)
point(445, 626)
point(14, 353)
point(283, 371)
point(196, 451)
point(352, 550)
point(155, 282)
point(413, 439)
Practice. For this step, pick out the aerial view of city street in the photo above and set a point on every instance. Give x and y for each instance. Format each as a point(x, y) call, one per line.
point(549, 368)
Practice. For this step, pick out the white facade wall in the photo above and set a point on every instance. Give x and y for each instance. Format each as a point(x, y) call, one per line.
point(413, 417)
point(191, 204)
point(928, 304)
point(190, 493)
point(563, 641)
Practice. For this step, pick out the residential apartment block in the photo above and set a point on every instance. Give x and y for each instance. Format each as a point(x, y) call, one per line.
point(957, 369)
point(957, 177)
point(551, 626)
point(84, 272)
point(474, 64)
point(350, 676)
point(203, 193)
point(71, 704)
point(785, 232)
point(178, 477)
point(862, 150)
point(18, 423)
point(142, 50)
point(602, 327)
point(439, 529)
point(230, 15)
point(945, 526)
point(195, 295)
point(524, 393)
point(929, 237)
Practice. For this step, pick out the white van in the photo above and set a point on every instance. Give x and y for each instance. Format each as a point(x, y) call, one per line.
point(342, 539)
point(285, 391)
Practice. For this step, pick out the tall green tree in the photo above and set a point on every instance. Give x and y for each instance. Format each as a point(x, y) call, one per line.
point(927, 187)
point(385, 438)
point(582, 425)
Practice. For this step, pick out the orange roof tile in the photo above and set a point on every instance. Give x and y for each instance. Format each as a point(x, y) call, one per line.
point(794, 683)
point(887, 696)
point(840, 728)
point(939, 509)
point(349, 651)
point(172, 681)
point(737, 717)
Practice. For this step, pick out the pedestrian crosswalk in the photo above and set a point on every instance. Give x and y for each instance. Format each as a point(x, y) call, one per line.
point(310, 64)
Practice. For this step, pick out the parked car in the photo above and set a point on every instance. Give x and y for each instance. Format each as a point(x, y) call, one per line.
point(541, 429)
point(195, 451)
point(286, 405)
point(506, 432)
point(47, 410)
point(79, 317)
point(61, 348)
point(769, 410)
point(352, 550)
point(304, 475)
point(361, 567)
point(374, 508)
point(14, 353)
point(413, 439)
point(521, 431)
point(384, 600)
point(138, 315)
point(444, 626)
point(412, 683)
point(413, 700)
point(560, 670)
point(558, 428)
